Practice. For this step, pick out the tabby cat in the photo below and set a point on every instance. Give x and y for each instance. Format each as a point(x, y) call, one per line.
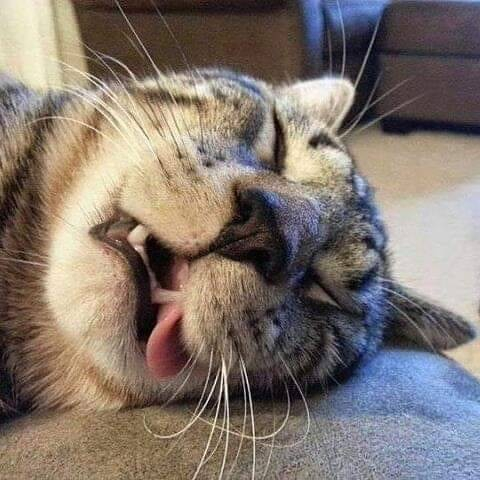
point(161, 234)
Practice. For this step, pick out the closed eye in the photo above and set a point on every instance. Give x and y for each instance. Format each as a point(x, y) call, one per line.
point(325, 291)
point(280, 148)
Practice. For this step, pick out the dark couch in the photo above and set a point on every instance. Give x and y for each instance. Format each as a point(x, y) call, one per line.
point(434, 43)
point(435, 46)
point(276, 40)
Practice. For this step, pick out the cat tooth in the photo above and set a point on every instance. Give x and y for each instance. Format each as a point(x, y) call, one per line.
point(140, 249)
point(138, 236)
point(161, 296)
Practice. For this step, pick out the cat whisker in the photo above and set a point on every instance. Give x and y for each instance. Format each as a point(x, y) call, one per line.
point(112, 113)
point(364, 110)
point(100, 59)
point(212, 430)
point(274, 433)
point(434, 320)
point(334, 352)
point(134, 80)
point(344, 40)
point(368, 52)
point(168, 124)
point(304, 400)
point(227, 409)
point(225, 428)
point(78, 122)
point(191, 422)
point(330, 52)
point(107, 112)
point(189, 367)
point(179, 49)
point(26, 253)
point(244, 425)
point(199, 402)
point(137, 37)
point(375, 102)
point(272, 443)
point(252, 415)
point(104, 56)
point(103, 86)
point(386, 114)
point(412, 322)
point(217, 428)
point(23, 262)
point(150, 59)
point(172, 35)
point(333, 107)
point(92, 79)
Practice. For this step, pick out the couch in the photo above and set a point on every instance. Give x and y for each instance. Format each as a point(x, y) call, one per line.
point(276, 40)
point(426, 56)
point(404, 415)
point(434, 47)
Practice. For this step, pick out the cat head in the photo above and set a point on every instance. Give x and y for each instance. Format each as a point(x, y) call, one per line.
point(205, 228)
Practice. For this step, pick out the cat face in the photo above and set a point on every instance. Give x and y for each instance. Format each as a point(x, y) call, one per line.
point(205, 227)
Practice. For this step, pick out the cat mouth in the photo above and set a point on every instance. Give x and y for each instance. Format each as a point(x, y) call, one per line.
point(159, 277)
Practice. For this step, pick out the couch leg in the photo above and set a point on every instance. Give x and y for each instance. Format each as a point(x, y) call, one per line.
point(395, 125)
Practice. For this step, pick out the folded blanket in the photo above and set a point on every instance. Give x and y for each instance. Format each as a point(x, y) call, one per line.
point(405, 414)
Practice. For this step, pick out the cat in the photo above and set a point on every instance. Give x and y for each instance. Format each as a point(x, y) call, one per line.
point(186, 231)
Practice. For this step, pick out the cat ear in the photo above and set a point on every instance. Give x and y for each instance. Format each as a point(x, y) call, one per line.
point(413, 319)
point(329, 99)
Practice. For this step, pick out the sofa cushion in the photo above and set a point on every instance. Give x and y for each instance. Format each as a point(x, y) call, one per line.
point(432, 27)
point(405, 414)
point(359, 19)
point(433, 88)
point(178, 5)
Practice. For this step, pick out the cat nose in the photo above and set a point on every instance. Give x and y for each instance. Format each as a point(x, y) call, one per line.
point(254, 235)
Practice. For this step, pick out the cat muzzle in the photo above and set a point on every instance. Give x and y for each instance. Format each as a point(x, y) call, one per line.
point(160, 278)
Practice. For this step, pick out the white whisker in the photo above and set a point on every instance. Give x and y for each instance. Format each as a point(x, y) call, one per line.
point(393, 110)
point(375, 102)
point(364, 110)
point(227, 409)
point(244, 425)
point(369, 51)
point(212, 430)
point(304, 400)
point(272, 445)
point(252, 416)
point(191, 422)
point(412, 322)
point(23, 262)
point(435, 321)
point(344, 40)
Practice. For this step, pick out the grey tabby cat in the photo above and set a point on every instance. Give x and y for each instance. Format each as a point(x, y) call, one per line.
point(187, 233)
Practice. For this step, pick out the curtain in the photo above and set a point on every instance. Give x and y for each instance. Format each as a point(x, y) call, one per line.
point(37, 39)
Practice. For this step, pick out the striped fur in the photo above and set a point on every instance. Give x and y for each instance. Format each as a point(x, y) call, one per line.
point(174, 152)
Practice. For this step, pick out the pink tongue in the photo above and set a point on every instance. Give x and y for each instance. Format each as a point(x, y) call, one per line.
point(165, 353)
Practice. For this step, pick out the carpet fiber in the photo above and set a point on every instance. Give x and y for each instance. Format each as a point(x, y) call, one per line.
point(428, 185)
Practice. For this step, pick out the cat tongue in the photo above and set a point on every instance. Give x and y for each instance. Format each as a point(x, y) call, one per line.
point(165, 353)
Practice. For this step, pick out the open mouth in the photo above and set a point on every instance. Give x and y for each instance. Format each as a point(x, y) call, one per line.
point(159, 277)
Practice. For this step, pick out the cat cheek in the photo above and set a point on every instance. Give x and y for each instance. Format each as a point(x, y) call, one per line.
point(91, 293)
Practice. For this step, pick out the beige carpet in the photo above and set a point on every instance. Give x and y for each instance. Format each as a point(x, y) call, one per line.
point(428, 185)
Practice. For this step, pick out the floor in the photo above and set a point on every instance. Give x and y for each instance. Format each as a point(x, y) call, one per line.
point(428, 184)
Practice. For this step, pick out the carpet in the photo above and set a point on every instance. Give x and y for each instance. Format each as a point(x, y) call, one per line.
point(428, 186)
